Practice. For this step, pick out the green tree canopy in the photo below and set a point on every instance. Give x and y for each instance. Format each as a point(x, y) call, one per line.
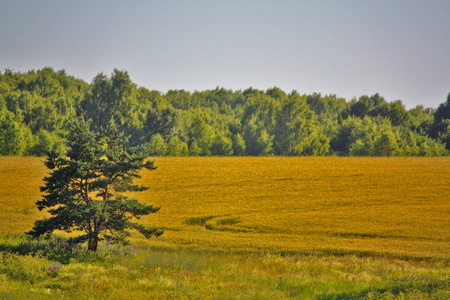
point(36, 108)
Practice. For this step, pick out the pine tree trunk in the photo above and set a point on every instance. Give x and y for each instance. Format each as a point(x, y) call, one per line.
point(93, 243)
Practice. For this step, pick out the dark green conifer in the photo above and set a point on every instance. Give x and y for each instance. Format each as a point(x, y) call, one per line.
point(84, 190)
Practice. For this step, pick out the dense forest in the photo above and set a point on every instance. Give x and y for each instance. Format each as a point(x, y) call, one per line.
point(36, 109)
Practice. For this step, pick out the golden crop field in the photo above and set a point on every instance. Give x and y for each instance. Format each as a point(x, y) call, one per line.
point(20, 178)
point(380, 206)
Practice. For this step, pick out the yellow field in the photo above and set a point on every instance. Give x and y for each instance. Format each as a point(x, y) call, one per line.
point(20, 178)
point(393, 206)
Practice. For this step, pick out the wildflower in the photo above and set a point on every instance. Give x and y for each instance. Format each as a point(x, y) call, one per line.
point(54, 270)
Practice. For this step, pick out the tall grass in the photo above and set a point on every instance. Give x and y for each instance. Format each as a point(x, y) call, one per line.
point(187, 274)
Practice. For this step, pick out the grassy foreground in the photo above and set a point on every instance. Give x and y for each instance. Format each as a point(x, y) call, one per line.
point(250, 228)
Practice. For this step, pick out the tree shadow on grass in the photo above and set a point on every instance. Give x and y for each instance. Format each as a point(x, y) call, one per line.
point(57, 248)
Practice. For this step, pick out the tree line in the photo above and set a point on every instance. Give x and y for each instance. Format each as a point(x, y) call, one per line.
point(36, 109)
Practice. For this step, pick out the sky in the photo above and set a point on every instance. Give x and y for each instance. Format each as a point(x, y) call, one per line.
point(397, 48)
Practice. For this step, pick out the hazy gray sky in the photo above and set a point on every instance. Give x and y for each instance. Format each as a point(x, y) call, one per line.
point(400, 49)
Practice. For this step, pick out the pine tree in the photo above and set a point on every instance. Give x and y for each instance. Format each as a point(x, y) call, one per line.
point(83, 192)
